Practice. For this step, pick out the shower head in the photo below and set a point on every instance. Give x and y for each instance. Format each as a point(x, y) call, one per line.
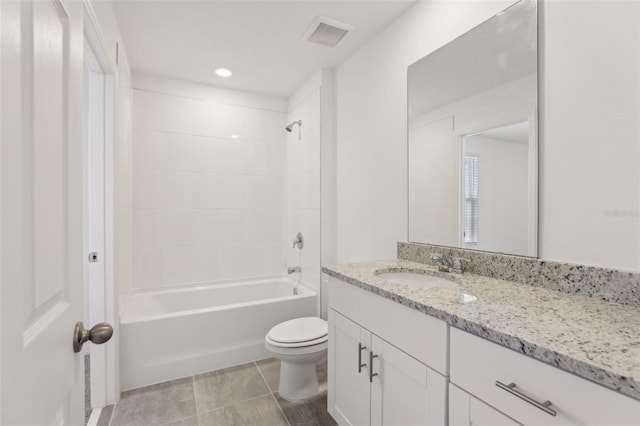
point(290, 126)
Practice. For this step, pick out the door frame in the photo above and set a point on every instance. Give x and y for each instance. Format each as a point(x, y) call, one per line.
point(530, 117)
point(105, 386)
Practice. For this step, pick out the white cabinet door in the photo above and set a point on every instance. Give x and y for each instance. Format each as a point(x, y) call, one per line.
point(403, 390)
point(41, 210)
point(349, 346)
point(465, 410)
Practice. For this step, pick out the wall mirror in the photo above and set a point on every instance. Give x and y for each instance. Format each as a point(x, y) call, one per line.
point(472, 135)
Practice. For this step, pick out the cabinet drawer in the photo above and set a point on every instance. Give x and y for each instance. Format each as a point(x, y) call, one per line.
point(421, 336)
point(477, 365)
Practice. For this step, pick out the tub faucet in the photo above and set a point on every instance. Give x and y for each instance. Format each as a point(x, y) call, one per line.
point(291, 270)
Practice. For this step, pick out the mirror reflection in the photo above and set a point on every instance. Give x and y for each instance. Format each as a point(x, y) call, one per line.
point(472, 138)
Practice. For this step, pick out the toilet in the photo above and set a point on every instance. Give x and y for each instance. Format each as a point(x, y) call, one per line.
point(299, 344)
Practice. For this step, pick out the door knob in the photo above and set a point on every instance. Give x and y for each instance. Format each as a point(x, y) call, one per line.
point(98, 334)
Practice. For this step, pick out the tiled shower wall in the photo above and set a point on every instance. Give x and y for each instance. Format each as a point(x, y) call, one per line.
point(303, 188)
point(207, 190)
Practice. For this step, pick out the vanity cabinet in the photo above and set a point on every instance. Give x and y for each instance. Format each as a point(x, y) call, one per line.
point(465, 410)
point(526, 390)
point(379, 354)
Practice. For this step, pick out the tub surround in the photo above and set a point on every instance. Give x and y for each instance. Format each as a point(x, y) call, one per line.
point(594, 339)
point(600, 283)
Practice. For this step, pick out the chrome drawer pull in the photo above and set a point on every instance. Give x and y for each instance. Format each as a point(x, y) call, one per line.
point(360, 364)
point(511, 388)
point(371, 373)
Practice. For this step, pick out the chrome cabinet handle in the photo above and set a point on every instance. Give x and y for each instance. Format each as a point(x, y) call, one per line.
point(371, 373)
point(360, 364)
point(511, 388)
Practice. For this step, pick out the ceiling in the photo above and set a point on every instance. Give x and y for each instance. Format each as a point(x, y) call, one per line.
point(260, 41)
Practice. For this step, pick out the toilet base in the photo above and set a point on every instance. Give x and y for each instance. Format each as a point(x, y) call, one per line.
point(298, 381)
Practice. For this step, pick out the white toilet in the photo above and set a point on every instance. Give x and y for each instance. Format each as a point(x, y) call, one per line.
point(299, 344)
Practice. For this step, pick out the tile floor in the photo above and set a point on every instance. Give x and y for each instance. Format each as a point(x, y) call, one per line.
point(243, 395)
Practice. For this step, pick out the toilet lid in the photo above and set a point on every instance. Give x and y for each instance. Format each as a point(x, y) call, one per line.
point(299, 330)
point(306, 344)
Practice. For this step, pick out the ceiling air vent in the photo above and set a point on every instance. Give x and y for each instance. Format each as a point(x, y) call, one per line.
point(326, 32)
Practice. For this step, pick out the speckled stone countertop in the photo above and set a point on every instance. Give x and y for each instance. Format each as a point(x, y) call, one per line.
point(594, 339)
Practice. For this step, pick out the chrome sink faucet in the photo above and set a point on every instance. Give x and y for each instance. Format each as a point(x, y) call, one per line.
point(444, 265)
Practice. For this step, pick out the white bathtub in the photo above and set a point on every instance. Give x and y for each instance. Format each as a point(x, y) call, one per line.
point(176, 332)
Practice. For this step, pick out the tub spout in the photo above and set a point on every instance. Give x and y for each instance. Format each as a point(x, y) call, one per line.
point(291, 270)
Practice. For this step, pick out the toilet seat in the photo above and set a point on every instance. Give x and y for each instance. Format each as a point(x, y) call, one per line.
point(299, 332)
point(298, 344)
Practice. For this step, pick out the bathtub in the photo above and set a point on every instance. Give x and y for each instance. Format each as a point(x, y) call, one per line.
point(189, 329)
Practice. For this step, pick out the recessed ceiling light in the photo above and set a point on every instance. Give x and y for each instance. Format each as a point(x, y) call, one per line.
point(223, 72)
point(235, 136)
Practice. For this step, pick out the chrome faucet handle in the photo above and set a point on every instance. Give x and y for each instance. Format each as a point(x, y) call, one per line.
point(443, 263)
point(299, 241)
point(459, 265)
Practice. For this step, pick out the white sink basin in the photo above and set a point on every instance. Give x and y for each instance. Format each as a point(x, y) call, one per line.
point(417, 280)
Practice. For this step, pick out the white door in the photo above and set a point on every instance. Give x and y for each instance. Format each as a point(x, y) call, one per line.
point(41, 212)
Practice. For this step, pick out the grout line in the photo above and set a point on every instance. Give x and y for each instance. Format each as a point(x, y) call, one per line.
point(273, 394)
point(177, 420)
point(195, 398)
point(263, 378)
point(280, 408)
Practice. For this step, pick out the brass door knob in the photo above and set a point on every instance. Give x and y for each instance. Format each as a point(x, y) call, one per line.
point(99, 333)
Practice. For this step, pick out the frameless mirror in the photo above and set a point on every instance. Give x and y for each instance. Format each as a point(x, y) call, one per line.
point(473, 138)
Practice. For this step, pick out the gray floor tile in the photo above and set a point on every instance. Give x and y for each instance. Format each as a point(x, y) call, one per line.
point(157, 404)
point(261, 411)
point(321, 370)
point(191, 421)
point(105, 415)
point(270, 369)
point(231, 385)
point(308, 412)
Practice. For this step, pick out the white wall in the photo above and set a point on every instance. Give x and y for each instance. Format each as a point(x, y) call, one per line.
point(206, 206)
point(371, 125)
point(590, 133)
point(433, 183)
point(503, 172)
point(589, 130)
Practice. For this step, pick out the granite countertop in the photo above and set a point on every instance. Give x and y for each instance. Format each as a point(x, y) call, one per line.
point(594, 339)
